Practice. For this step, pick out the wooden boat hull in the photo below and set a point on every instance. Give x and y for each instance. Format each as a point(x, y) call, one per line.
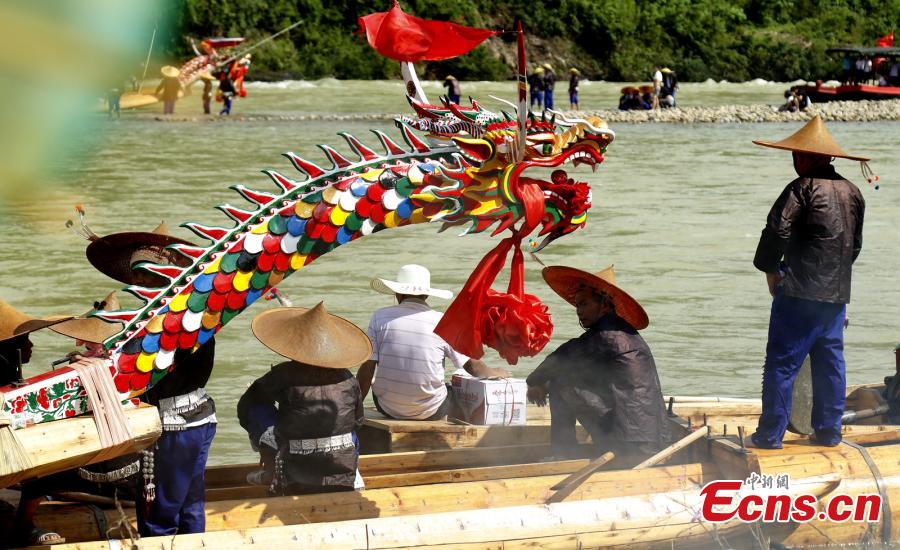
point(488, 497)
point(858, 92)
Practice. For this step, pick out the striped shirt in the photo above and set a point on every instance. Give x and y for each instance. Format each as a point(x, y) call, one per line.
point(409, 378)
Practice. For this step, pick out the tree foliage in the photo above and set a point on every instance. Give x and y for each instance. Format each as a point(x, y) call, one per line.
point(616, 39)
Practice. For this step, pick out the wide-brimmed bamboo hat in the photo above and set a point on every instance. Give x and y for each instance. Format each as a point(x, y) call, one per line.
point(14, 323)
point(92, 329)
point(312, 336)
point(547, 66)
point(813, 139)
point(169, 71)
point(538, 70)
point(206, 75)
point(629, 90)
point(566, 281)
point(117, 255)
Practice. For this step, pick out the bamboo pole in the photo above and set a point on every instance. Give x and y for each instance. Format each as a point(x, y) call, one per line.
point(565, 487)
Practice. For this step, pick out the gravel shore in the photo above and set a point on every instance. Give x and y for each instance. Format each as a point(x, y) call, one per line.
point(847, 111)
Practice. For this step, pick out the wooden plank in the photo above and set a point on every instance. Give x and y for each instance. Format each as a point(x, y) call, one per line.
point(76, 525)
point(459, 475)
point(653, 519)
point(74, 442)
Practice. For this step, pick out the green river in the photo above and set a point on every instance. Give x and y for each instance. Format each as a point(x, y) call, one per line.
point(677, 208)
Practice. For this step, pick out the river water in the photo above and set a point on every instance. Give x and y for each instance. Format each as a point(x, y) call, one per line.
point(677, 208)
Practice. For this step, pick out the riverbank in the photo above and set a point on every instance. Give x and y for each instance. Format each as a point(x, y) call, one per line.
point(844, 111)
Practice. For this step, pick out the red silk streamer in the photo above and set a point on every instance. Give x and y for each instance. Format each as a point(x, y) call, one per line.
point(398, 35)
point(515, 324)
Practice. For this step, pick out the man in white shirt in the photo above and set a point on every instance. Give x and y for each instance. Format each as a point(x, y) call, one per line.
point(408, 355)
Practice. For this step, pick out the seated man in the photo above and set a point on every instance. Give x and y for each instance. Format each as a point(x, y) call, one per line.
point(319, 401)
point(409, 356)
point(606, 378)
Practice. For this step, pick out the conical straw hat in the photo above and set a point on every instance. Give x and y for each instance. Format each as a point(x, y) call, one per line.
point(116, 255)
point(92, 329)
point(566, 281)
point(14, 323)
point(312, 337)
point(813, 139)
point(169, 71)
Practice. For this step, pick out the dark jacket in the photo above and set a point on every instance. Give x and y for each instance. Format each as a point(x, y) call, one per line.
point(312, 403)
point(816, 227)
point(549, 80)
point(609, 369)
point(536, 82)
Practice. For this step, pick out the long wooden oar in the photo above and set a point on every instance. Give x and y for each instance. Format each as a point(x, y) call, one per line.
point(673, 448)
point(565, 487)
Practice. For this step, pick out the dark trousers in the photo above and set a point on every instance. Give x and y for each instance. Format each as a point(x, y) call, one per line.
point(180, 478)
point(798, 328)
point(563, 416)
point(537, 96)
point(548, 99)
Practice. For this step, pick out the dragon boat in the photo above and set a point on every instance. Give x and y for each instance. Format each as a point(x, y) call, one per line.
point(488, 487)
point(438, 484)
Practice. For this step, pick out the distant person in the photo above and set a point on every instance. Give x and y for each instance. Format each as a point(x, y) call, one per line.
point(657, 84)
point(226, 92)
point(573, 88)
point(894, 74)
point(646, 97)
point(169, 88)
point(670, 83)
point(790, 105)
point(207, 90)
point(407, 359)
point(536, 87)
point(803, 100)
point(625, 98)
point(453, 91)
point(549, 84)
point(846, 66)
point(113, 101)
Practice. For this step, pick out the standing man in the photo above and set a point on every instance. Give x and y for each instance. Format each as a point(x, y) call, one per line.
point(207, 79)
point(536, 87)
point(657, 85)
point(407, 356)
point(573, 88)
point(169, 88)
point(812, 237)
point(549, 84)
point(453, 91)
point(606, 378)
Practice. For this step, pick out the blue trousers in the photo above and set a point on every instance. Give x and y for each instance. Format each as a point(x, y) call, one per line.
point(180, 477)
point(537, 96)
point(798, 328)
point(548, 99)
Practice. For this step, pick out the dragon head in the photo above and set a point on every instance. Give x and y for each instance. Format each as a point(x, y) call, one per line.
point(488, 186)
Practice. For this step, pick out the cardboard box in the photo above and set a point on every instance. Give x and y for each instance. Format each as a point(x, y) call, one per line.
point(489, 402)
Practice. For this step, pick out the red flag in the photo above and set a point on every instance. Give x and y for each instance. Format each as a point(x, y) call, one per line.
point(886, 41)
point(403, 37)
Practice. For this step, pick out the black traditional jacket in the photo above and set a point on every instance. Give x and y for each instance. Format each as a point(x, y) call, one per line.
point(816, 227)
point(318, 410)
point(610, 372)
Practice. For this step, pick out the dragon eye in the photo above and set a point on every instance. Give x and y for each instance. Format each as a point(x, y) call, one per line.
point(547, 149)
